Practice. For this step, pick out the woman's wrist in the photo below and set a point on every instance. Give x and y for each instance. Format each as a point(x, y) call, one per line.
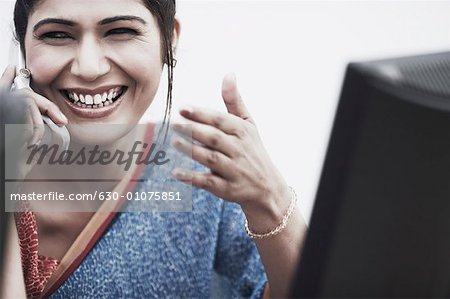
point(266, 215)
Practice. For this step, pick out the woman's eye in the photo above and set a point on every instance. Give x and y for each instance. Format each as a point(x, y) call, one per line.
point(119, 31)
point(56, 35)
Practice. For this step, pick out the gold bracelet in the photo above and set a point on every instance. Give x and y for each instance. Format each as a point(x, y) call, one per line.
point(283, 223)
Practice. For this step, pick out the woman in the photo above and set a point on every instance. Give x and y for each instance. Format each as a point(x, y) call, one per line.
point(76, 52)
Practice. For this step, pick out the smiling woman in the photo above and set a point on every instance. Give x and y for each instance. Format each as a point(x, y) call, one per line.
point(98, 67)
point(97, 63)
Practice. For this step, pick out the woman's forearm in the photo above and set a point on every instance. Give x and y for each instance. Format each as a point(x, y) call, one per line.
point(280, 253)
point(12, 284)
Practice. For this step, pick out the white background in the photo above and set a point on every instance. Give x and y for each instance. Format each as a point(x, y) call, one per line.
point(289, 58)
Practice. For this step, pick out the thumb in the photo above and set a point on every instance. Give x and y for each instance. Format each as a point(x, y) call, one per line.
point(7, 78)
point(232, 98)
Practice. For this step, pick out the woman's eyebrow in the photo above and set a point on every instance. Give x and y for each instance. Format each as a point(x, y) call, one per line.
point(53, 21)
point(122, 18)
point(102, 22)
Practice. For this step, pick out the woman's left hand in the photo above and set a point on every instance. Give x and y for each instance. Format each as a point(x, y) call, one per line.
point(241, 170)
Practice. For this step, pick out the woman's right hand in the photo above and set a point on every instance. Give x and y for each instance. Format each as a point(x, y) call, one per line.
point(33, 130)
point(36, 106)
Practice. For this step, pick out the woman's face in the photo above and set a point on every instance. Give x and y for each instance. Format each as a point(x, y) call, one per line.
point(105, 53)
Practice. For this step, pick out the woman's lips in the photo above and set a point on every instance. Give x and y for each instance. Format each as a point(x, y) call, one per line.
point(94, 111)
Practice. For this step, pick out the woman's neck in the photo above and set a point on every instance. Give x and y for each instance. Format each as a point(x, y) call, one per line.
point(87, 168)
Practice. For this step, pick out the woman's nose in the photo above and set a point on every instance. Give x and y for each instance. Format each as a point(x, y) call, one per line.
point(90, 62)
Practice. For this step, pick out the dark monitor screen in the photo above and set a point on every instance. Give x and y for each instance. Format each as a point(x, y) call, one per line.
point(380, 225)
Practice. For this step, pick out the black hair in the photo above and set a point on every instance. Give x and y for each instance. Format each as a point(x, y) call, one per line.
point(162, 10)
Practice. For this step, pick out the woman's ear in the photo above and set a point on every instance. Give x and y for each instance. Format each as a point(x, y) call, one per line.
point(176, 35)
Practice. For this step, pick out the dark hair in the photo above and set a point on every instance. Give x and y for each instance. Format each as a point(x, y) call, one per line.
point(162, 10)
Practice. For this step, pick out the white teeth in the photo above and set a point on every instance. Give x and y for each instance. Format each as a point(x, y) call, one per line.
point(89, 99)
point(110, 95)
point(106, 98)
point(97, 99)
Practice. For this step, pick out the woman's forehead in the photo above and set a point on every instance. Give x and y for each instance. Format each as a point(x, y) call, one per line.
point(84, 10)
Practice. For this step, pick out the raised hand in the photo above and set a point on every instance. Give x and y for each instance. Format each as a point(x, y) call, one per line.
point(241, 170)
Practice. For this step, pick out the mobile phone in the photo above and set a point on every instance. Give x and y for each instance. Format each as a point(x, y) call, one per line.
point(58, 135)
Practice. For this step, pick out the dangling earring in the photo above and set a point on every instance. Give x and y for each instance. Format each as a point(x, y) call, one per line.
point(174, 62)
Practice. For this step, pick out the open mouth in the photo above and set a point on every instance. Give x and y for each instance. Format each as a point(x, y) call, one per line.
point(97, 100)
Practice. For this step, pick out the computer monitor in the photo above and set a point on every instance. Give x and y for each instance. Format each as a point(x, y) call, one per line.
point(380, 225)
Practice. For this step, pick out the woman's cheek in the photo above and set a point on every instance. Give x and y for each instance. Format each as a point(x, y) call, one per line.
point(145, 69)
point(46, 65)
point(140, 65)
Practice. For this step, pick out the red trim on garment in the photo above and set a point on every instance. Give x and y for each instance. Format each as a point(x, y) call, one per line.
point(129, 188)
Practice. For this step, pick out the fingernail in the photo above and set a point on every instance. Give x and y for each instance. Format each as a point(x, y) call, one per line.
point(177, 127)
point(231, 76)
point(187, 109)
point(63, 117)
point(176, 143)
point(180, 174)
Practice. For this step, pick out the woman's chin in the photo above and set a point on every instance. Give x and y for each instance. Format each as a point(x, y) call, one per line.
point(98, 134)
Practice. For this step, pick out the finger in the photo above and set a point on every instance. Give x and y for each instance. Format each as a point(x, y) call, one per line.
point(206, 181)
point(232, 98)
point(227, 123)
point(214, 160)
point(7, 78)
point(35, 119)
point(209, 137)
point(47, 107)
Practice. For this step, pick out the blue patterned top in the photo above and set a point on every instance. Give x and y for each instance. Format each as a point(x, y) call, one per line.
point(199, 254)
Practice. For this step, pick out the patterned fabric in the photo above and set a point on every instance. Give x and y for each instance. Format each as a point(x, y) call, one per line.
point(200, 254)
point(37, 269)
